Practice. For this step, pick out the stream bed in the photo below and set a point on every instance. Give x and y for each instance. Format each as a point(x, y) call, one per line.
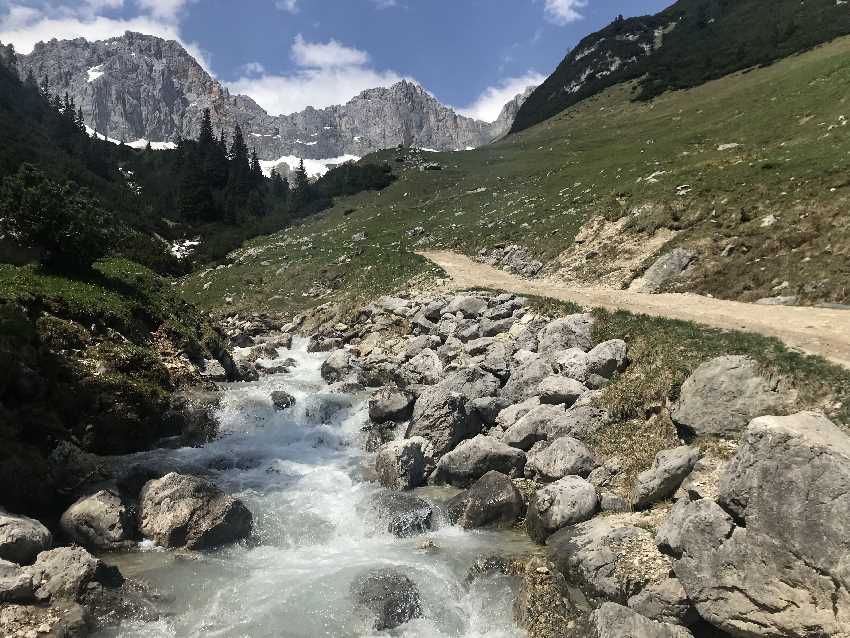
point(303, 474)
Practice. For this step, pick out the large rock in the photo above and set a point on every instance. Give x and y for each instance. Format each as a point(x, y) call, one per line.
point(387, 597)
point(665, 269)
point(724, 394)
point(22, 538)
point(186, 511)
point(401, 514)
point(467, 305)
point(488, 409)
point(282, 400)
point(472, 459)
point(423, 369)
point(389, 404)
point(607, 358)
point(66, 573)
point(525, 378)
point(571, 363)
point(556, 390)
point(668, 470)
point(565, 456)
point(665, 601)
point(513, 413)
point(543, 605)
point(778, 565)
point(99, 521)
point(15, 584)
point(536, 425)
point(401, 465)
point(472, 382)
point(441, 418)
point(583, 420)
point(493, 501)
point(615, 621)
point(337, 366)
point(574, 331)
point(609, 557)
point(567, 501)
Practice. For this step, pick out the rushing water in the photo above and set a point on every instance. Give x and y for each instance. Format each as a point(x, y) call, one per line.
point(301, 472)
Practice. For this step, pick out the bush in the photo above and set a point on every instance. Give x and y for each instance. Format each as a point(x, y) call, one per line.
point(62, 220)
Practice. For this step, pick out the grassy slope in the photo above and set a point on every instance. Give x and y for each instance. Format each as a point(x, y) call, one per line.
point(544, 183)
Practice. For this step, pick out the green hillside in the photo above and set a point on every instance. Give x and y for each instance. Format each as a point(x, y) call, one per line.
point(689, 43)
point(777, 192)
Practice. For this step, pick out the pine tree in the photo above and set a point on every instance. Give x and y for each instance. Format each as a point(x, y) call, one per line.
point(80, 121)
point(45, 87)
point(205, 138)
point(303, 193)
point(239, 180)
point(256, 169)
point(280, 186)
point(30, 80)
point(301, 179)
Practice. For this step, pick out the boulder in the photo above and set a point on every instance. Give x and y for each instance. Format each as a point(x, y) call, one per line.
point(511, 414)
point(389, 404)
point(65, 573)
point(22, 538)
point(282, 400)
point(724, 394)
point(567, 501)
point(99, 521)
point(467, 305)
point(571, 363)
point(402, 514)
point(608, 358)
point(417, 344)
point(488, 409)
point(665, 601)
point(582, 421)
point(773, 560)
point(186, 511)
point(423, 369)
point(401, 465)
point(525, 377)
point(15, 584)
point(472, 459)
point(668, 538)
point(574, 331)
point(387, 597)
point(611, 620)
point(557, 390)
point(663, 270)
point(565, 456)
point(441, 418)
point(537, 425)
point(471, 382)
point(492, 501)
point(609, 557)
point(337, 366)
point(543, 605)
point(668, 470)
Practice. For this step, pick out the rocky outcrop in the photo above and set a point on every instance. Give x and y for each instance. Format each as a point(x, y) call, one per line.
point(99, 521)
point(493, 501)
point(186, 511)
point(22, 538)
point(724, 394)
point(137, 87)
point(772, 560)
point(386, 597)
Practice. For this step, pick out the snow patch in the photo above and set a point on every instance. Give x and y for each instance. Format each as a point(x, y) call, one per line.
point(95, 72)
point(139, 144)
point(314, 168)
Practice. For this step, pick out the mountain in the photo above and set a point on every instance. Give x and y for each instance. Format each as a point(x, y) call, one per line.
point(143, 87)
point(685, 45)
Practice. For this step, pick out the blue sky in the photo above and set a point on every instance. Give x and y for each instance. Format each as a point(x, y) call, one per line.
point(287, 54)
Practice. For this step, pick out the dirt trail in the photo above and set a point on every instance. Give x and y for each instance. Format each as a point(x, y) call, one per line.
point(822, 331)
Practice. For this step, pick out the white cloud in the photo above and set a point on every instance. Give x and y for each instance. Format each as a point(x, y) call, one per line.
point(563, 12)
point(385, 4)
point(490, 103)
point(287, 5)
point(326, 55)
point(252, 68)
point(162, 8)
point(330, 73)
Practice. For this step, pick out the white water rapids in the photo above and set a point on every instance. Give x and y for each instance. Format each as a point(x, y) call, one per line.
point(301, 472)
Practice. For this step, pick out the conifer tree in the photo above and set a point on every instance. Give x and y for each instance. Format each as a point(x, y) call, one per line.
point(256, 169)
point(205, 138)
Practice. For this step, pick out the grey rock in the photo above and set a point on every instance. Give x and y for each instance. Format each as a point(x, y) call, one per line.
point(665, 269)
point(608, 358)
point(511, 414)
point(418, 344)
point(282, 400)
point(782, 300)
point(425, 368)
point(777, 565)
point(66, 572)
point(433, 310)
point(573, 331)
point(472, 459)
point(665, 601)
point(615, 621)
point(441, 418)
point(536, 425)
point(337, 366)
point(403, 514)
point(99, 521)
point(525, 378)
point(668, 470)
point(669, 535)
point(571, 363)
point(467, 305)
point(565, 456)
point(15, 584)
point(22, 538)
point(556, 390)
point(567, 501)
point(583, 420)
point(724, 394)
point(544, 604)
point(401, 465)
point(389, 404)
point(493, 327)
point(492, 501)
point(488, 409)
point(609, 557)
point(387, 597)
point(186, 511)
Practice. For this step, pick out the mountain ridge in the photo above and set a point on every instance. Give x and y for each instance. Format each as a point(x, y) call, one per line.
point(137, 86)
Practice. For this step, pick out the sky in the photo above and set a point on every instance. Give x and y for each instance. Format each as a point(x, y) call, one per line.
point(473, 55)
